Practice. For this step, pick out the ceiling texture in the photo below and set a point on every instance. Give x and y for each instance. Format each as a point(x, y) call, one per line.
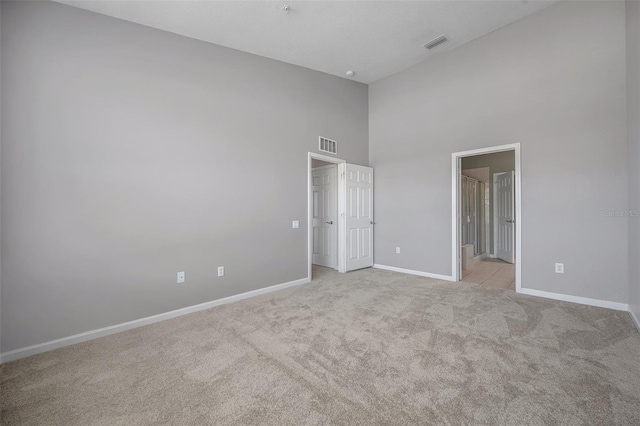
point(374, 39)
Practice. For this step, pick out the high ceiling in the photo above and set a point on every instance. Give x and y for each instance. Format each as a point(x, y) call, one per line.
point(372, 38)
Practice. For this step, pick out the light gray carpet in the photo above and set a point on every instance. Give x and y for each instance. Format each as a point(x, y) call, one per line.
point(369, 347)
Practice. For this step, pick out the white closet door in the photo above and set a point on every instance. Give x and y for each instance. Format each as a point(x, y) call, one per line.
point(359, 217)
point(324, 210)
point(505, 216)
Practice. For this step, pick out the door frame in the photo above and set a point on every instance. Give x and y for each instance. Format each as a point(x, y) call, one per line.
point(456, 161)
point(341, 253)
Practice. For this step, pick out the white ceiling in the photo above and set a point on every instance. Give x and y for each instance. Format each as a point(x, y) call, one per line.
point(373, 38)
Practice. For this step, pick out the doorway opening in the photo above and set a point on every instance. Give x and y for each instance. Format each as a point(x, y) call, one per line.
point(324, 213)
point(340, 214)
point(486, 217)
point(324, 219)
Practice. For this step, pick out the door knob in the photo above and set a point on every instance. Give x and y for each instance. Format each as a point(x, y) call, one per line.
point(511, 221)
point(372, 222)
point(330, 223)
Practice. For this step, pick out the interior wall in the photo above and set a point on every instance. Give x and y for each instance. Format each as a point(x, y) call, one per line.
point(481, 174)
point(633, 137)
point(497, 162)
point(319, 163)
point(0, 181)
point(554, 82)
point(129, 154)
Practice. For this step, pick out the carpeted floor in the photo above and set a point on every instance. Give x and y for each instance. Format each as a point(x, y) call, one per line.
point(369, 347)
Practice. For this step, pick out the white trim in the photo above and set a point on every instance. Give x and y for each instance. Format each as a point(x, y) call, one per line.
point(576, 299)
point(455, 213)
point(342, 216)
point(341, 187)
point(106, 331)
point(634, 318)
point(326, 158)
point(456, 262)
point(412, 272)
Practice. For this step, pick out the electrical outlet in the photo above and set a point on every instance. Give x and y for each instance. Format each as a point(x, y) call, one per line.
point(397, 250)
point(221, 271)
point(181, 277)
point(559, 268)
point(295, 224)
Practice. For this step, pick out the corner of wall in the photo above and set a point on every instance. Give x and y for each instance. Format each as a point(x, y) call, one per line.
point(632, 21)
point(0, 183)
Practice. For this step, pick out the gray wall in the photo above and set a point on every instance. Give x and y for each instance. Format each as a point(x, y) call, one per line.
point(633, 135)
point(497, 162)
point(0, 175)
point(555, 82)
point(129, 154)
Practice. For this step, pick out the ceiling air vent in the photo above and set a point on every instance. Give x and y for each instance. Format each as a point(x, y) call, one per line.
point(328, 145)
point(435, 42)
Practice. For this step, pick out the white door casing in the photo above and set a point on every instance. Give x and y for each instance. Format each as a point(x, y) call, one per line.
point(456, 158)
point(324, 216)
point(358, 217)
point(503, 187)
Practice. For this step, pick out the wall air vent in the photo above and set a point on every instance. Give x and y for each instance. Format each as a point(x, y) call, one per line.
point(435, 42)
point(328, 145)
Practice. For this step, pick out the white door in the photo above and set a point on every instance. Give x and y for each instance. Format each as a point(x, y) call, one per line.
point(504, 216)
point(359, 217)
point(324, 221)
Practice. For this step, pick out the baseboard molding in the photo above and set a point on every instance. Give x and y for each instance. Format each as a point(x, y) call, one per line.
point(106, 331)
point(576, 299)
point(412, 272)
point(635, 319)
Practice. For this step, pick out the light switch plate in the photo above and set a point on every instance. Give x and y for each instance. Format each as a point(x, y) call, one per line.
point(295, 224)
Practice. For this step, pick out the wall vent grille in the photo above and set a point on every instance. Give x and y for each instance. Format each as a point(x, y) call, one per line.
point(327, 145)
point(435, 42)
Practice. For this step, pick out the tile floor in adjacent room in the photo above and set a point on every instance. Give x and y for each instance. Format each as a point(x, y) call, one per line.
point(491, 273)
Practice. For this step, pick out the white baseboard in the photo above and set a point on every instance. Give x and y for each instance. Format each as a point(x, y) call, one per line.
point(635, 319)
point(94, 334)
point(412, 272)
point(576, 299)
